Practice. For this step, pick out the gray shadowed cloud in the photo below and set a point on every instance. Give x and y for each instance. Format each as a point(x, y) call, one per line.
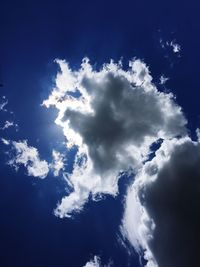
point(173, 202)
point(162, 211)
point(124, 115)
point(115, 117)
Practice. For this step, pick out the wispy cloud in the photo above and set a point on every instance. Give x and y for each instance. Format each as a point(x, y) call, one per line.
point(9, 124)
point(58, 162)
point(28, 156)
point(3, 104)
point(175, 47)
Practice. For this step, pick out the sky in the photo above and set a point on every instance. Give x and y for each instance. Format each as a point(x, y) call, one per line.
point(99, 133)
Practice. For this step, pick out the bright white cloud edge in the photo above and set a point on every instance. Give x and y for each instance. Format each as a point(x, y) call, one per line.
point(96, 262)
point(93, 85)
point(93, 263)
point(137, 225)
point(27, 156)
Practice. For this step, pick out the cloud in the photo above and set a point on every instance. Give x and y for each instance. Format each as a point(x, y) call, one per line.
point(93, 263)
point(176, 48)
point(163, 79)
point(27, 156)
point(57, 163)
point(96, 262)
point(162, 207)
point(3, 104)
point(5, 141)
point(112, 116)
point(8, 124)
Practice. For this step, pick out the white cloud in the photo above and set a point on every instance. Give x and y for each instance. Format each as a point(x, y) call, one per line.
point(162, 206)
point(176, 48)
point(163, 79)
point(3, 104)
point(93, 263)
point(5, 141)
point(96, 262)
point(198, 134)
point(29, 157)
point(113, 120)
point(58, 162)
point(8, 124)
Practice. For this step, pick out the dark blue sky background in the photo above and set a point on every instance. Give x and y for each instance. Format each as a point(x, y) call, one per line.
point(32, 35)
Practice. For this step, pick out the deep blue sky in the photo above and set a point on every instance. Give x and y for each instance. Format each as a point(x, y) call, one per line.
point(32, 35)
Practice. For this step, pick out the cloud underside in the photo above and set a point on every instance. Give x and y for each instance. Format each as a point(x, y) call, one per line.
point(112, 116)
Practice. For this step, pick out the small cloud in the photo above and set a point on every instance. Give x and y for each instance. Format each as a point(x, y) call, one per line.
point(27, 156)
point(176, 47)
point(96, 262)
point(163, 79)
point(3, 104)
point(198, 134)
point(93, 263)
point(9, 124)
point(162, 43)
point(5, 141)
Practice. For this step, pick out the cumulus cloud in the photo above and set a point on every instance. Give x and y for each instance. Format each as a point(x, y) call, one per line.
point(27, 156)
point(162, 207)
point(112, 116)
